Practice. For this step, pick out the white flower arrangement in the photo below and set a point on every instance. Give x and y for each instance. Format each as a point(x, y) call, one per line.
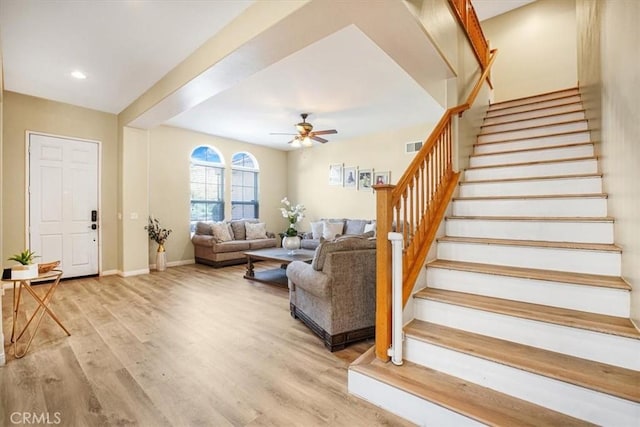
point(294, 214)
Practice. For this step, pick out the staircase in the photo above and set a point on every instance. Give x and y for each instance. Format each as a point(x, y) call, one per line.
point(525, 319)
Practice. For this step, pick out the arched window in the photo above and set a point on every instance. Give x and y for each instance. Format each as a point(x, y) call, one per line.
point(207, 185)
point(244, 186)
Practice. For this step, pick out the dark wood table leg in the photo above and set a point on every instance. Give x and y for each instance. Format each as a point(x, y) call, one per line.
point(250, 272)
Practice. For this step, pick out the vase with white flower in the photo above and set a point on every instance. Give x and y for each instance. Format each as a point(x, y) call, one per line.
point(294, 214)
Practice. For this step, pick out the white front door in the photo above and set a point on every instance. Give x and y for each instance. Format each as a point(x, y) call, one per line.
point(63, 203)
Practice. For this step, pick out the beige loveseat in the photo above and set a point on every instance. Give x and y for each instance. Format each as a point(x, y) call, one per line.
point(335, 294)
point(211, 251)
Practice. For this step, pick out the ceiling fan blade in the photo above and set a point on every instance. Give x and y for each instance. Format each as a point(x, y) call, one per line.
point(325, 132)
point(280, 133)
point(317, 138)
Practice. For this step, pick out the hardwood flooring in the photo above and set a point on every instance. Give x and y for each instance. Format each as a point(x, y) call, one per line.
point(190, 346)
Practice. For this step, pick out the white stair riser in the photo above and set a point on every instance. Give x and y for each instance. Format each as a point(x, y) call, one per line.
point(539, 121)
point(581, 207)
point(498, 110)
point(595, 299)
point(585, 150)
point(558, 259)
point(403, 404)
point(528, 133)
point(576, 401)
point(540, 142)
point(562, 339)
point(531, 101)
point(569, 167)
point(560, 109)
point(584, 185)
point(549, 231)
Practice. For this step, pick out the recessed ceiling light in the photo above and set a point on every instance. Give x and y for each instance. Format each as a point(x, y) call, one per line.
point(78, 75)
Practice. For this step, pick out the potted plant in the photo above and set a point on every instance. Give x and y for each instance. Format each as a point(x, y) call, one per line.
point(294, 214)
point(27, 268)
point(158, 235)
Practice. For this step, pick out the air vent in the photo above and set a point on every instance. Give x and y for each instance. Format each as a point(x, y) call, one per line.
point(412, 147)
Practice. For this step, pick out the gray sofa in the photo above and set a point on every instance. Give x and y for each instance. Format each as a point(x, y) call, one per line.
point(311, 240)
point(219, 254)
point(335, 294)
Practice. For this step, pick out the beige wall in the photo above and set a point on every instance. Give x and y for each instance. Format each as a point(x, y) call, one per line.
point(135, 201)
point(25, 113)
point(1, 161)
point(537, 44)
point(308, 177)
point(610, 29)
point(170, 150)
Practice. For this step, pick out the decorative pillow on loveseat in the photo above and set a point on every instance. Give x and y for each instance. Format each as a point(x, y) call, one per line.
point(221, 232)
point(330, 230)
point(256, 230)
point(239, 228)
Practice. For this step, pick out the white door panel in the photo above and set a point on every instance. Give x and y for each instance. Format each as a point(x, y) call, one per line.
point(63, 190)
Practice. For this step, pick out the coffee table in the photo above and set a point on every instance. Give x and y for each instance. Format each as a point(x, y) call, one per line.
point(275, 276)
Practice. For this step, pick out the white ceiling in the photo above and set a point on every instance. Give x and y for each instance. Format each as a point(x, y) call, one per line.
point(344, 80)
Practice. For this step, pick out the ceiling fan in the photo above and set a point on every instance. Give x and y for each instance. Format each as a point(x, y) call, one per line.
point(306, 133)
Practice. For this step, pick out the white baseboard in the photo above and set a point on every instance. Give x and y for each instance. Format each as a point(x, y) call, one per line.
point(181, 262)
point(109, 273)
point(133, 272)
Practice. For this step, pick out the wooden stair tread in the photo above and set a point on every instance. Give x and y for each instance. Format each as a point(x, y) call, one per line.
point(568, 122)
point(606, 247)
point(534, 196)
point(474, 401)
point(597, 280)
point(574, 89)
point(525, 150)
point(546, 116)
point(534, 137)
point(496, 116)
point(537, 162)
point(537, 218)
point(609, 379)
point(602, 323)
point(532, 178)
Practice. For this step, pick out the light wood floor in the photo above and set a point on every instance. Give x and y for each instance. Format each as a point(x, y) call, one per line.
point(189, 346)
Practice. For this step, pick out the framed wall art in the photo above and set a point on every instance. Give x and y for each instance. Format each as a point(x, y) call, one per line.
point(350, 177)
point(335, 174)
point(365, 179)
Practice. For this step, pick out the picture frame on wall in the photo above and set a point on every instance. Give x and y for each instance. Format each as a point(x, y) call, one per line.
point(365, 179)
point(350, 177)
point(335, 174)
point(382, 178)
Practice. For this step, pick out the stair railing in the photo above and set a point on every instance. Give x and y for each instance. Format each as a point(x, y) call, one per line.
point(414, 208)
point(467, 17)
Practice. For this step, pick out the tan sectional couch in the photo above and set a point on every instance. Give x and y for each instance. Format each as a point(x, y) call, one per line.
point(219, 254)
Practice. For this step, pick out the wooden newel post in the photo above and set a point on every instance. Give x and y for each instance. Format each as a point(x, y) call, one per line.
point(384, 220)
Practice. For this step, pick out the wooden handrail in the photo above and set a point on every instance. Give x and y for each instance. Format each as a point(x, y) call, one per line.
point(467, 17)
point(415, 207)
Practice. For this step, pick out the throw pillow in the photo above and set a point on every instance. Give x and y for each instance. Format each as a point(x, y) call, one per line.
point(203, 228)
point(355, 226)
point(239, 231)
point(330, 230)
point(255, 230)
point(221, 232)
point(316, 229)
point(370, 227)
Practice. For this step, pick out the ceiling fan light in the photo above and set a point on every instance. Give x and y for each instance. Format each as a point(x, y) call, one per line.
point(306, 142)
point(295, 143)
